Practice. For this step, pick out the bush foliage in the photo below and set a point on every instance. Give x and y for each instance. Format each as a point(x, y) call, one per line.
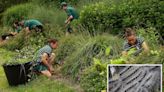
point(129, 13)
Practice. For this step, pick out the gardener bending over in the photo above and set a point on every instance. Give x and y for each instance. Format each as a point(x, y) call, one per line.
point(134, 42)
point(71, 13)
point(16, 30)
point(45, 58)
point(32, 24)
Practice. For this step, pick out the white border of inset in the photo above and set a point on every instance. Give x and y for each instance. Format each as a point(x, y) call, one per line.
point(133, 65)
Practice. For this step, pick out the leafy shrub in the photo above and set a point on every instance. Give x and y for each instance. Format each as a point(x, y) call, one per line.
point(114, 17)
point(93, 17)
point(154, 57)
point(151, 36)
point(17, 12)
point(93, 80)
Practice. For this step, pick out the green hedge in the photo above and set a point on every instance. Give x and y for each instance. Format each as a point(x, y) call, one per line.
point(93, 80)
point(129, 13)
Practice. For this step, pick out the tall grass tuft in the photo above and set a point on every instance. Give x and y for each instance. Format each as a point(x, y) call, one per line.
point(78, 51)
point(17, 12)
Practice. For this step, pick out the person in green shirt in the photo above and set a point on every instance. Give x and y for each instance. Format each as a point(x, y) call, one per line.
point(32, 24)
point(71, 15)
point(45, 58)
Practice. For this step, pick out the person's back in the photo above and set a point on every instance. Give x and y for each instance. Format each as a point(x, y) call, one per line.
point(32, 23)
point(71, 11)
point(46, 49)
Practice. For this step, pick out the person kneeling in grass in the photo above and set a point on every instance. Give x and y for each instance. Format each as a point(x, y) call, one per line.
point(134, 42)
point(32, 24)
point(16, 29)
point(45, 58)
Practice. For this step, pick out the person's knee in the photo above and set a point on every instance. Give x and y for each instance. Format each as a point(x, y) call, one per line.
point(49, 74)
point(46, 73)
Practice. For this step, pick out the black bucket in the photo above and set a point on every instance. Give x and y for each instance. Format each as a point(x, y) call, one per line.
point(17, 74)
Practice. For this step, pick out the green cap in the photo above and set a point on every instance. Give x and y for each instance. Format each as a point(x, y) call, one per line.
point(63, 3)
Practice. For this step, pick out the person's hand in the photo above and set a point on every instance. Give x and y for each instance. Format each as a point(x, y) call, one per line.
point(51, 69)
point(13, 33)
point(66, 22)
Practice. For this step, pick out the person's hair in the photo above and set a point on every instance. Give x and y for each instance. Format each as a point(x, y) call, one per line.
point(64, 5)
point(16, 22)
point(129, 32)
point(52, 41)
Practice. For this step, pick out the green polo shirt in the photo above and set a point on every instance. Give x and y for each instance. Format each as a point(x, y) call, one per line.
point(32, 23)
point(46, 49)
point(71, 11)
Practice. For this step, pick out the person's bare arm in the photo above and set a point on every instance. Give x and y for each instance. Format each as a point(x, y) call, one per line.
point(44, 59)
point(69, 19)
point(27, 29)
point(13, 33)
point(145, 47)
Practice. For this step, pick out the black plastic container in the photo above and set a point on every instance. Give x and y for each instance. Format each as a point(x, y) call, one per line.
point(17, 74)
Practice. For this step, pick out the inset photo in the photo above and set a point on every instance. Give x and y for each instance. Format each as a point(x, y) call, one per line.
point(134, 78)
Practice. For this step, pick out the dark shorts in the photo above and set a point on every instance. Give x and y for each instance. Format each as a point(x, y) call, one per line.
point(40, 67)
point(69, 28)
